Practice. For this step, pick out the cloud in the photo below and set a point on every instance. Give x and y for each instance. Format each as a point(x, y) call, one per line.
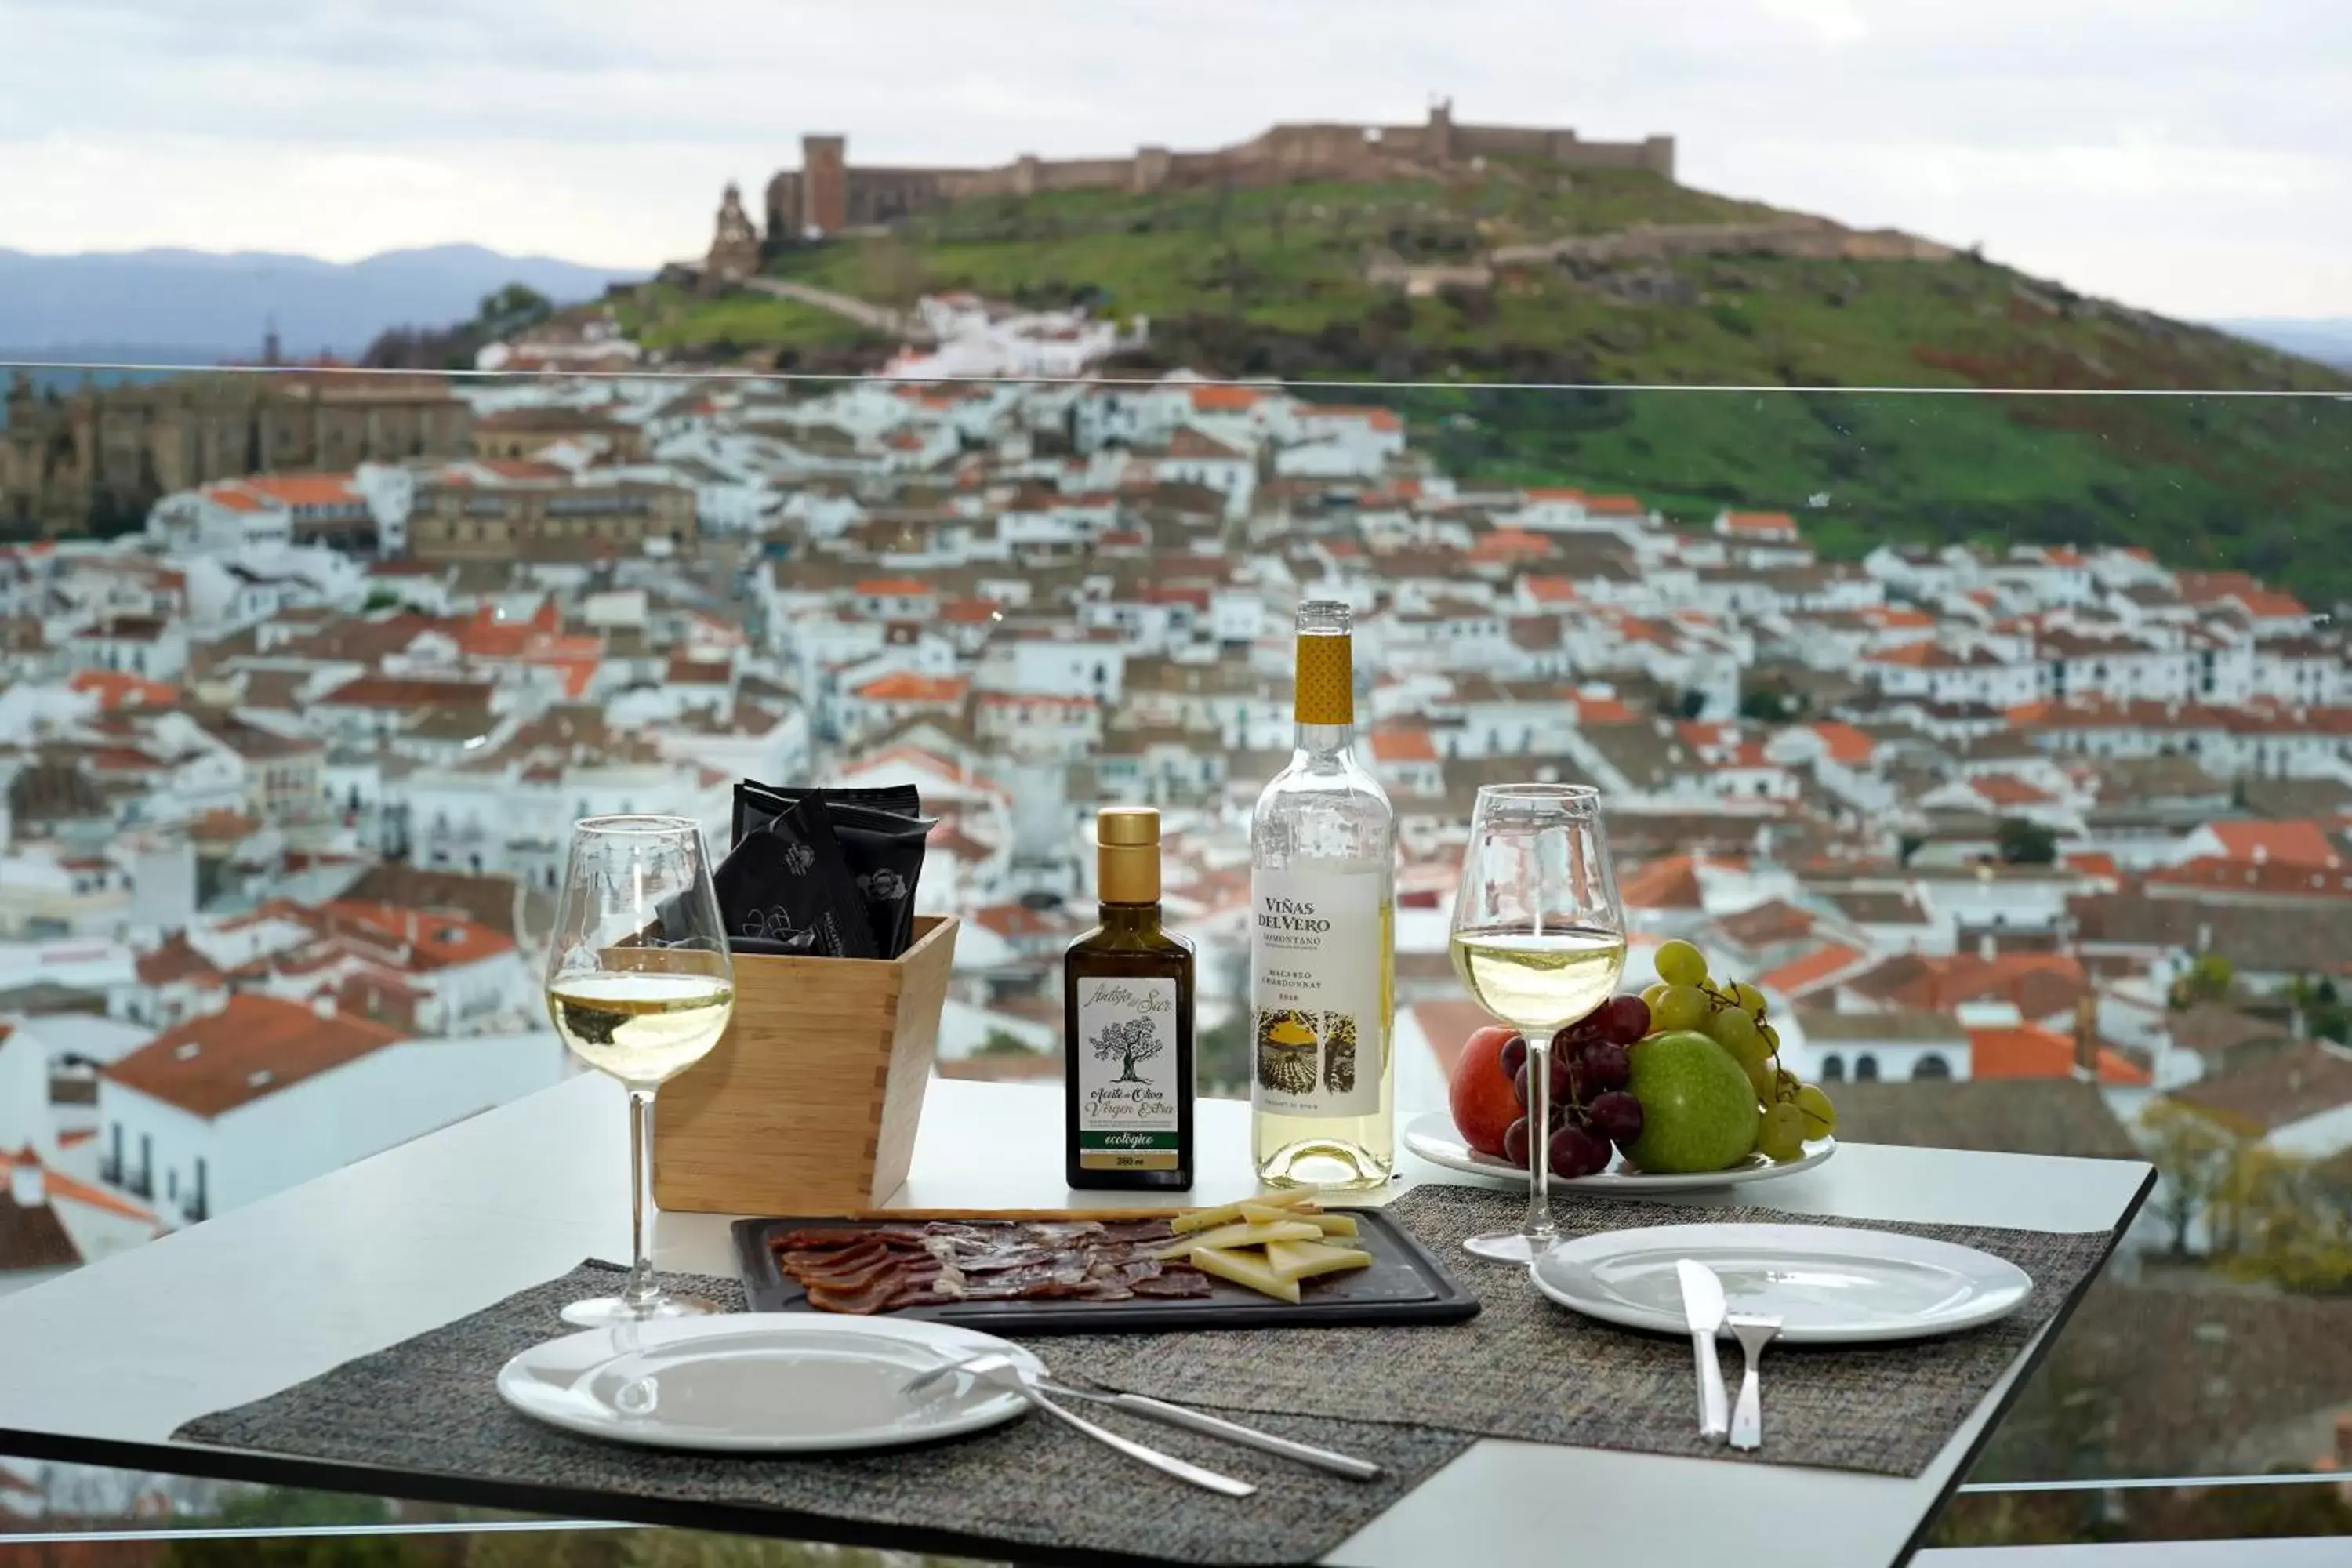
point(2090, 132)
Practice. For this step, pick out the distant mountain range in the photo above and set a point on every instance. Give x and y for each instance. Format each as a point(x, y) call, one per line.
point(2326, 341)
point(190, 307)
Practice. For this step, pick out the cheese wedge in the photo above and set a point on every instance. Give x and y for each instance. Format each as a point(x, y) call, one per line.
point(1245, 1268)
point(1296, 1260)
point(1241, 1235)
point(1267, 1214)
point(1336, 1224)
point(1204, 1219)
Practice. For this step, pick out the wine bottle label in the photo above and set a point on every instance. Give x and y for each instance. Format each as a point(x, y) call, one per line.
point(1318, 997)
point(1127, 1064)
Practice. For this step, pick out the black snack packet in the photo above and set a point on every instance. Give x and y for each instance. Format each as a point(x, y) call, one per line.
point(789, 884)
point(882, 835)
point(757, 804)
point(884, 852)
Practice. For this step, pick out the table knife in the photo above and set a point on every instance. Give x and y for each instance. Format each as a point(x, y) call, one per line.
point(1703, 1309)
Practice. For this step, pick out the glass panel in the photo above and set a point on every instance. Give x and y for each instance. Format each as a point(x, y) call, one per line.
point(1999, 739)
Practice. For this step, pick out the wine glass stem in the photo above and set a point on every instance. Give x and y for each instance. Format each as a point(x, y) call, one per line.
point(641, 1293)
point(1539, 1228)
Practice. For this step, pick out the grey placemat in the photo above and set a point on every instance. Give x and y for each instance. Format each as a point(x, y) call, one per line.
point(428, 1404)
point(1526, 1368)
point(1409, 1397)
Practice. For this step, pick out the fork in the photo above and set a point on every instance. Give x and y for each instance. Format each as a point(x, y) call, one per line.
point(1747, 1420)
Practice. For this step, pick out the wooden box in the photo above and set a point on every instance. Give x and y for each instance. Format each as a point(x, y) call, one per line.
point(810, 1101)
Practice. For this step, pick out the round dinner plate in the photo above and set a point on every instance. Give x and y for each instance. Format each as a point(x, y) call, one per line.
point(762, 1383)
point(1432, 1135)
point(1827, 1284)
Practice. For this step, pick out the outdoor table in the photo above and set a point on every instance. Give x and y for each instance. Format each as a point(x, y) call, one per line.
point(100, 1366)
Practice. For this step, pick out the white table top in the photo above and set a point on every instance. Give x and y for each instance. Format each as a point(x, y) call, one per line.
point(261, 1298)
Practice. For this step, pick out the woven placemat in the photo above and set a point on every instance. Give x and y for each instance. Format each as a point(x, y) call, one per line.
point(429, 1405)
point(1409, 1397)
point(1526, 1368)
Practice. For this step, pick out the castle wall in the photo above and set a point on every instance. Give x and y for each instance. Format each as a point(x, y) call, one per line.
point(783, 218)
point(885, 195)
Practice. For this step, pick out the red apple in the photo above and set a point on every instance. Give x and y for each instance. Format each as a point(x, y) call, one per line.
point(1483, 1104)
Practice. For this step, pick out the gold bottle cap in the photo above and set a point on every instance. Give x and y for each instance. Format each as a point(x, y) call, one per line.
point(1127, 824)
point(1127, 855)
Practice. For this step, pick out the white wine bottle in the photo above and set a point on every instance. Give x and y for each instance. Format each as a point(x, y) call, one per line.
point(1323, 939)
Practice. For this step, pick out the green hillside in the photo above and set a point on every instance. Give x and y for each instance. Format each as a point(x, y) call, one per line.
point(1272, 281)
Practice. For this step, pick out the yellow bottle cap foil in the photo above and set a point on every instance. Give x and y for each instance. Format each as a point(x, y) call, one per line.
point(1327, 678)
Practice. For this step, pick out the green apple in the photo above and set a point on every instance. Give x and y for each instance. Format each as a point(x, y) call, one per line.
point(1698, 1110)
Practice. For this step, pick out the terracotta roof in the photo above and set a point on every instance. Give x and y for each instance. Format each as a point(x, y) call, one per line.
point(301, 490)
point(1549, 590)
point(1768, 924)
point(892, 587)
point(2015, 1116)
point(1846, 744)
point(175, 962)
point(393, 692)
point(2287, 843)
point(2039, 984)
point(116, 689)
point(438, 941)
point(904, 686)
point(1225, 399)
point(1812, 970)
point(1668, 884)
point(1377, 418)
point(1402, 743)
point(255, 1047)
point(2008, 789)
point(2029, 1050)
point(1767, 522)
point(2277, 879)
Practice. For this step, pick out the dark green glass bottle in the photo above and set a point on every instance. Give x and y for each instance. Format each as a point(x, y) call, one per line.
point(1126, 1023)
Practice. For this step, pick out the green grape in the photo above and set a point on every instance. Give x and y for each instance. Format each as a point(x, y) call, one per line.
point(1821, 1116)
point(1650, 994)
point(1680, 964)
point(1749, 1000)
point(1759, 1075)
point(1681, 1007)
point(1781, 1138)
point(1785, 1086)
point(1771, 1037)
point(1736, 1032)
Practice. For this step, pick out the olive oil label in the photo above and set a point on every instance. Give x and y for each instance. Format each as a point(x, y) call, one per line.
point(1318, 991)
point(1125, 1057)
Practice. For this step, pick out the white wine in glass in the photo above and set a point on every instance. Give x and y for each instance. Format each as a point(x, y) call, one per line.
point(640, 986)
point(1538, 940)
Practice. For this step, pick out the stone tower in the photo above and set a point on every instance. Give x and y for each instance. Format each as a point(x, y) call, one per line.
point(734, 245)
point(824, 184)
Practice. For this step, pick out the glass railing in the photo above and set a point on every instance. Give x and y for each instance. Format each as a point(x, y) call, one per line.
point(2003, 740)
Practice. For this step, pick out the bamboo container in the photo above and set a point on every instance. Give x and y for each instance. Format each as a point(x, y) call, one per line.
point(810, 1102)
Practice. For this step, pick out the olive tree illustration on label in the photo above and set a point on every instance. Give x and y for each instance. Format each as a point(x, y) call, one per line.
point(1127, 1044)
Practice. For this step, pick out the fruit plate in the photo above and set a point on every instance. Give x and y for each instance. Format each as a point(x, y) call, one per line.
point(1828, 1284)
point(1433, 1136)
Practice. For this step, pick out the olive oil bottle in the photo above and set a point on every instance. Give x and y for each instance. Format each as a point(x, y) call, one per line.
point(1126, 1022)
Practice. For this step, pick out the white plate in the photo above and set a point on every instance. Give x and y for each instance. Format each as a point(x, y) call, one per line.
point(760, 1383)
point(1827, 1284)
point(1432, 1135)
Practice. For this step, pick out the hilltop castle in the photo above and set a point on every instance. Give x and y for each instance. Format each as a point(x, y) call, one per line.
point(827, 194)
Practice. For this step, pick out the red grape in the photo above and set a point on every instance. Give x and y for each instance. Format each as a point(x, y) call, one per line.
point(1577, 1152)
point(1514, 1143)
point(1575, 1036)
point(1561, 1073)
point(1514, 1056)
point(1616, 1117)
point(1623, 1019)
point(1602, 1068)
point(1519, 1085)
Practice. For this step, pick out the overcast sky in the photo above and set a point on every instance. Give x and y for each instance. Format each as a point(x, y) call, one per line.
point(2190, 155)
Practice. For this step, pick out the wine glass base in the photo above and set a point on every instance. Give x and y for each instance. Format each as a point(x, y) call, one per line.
point(1504, 1246)
point(612, 1312)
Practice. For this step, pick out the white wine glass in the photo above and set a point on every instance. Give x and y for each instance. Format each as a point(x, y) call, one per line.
point(1539, 940)
point(640, 986)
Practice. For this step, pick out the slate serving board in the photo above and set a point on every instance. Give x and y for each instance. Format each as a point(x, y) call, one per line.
point(1404, 1284)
